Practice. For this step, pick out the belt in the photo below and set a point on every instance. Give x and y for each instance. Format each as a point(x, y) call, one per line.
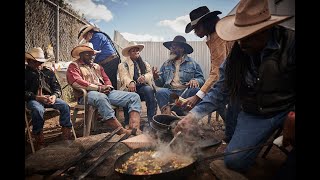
point(108, 59)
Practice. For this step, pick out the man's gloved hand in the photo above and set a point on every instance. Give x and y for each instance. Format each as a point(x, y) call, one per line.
point(289, 129)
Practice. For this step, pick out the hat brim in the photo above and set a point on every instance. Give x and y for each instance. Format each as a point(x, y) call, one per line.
point(187, 48)
point(228, 31)
point(84, 32)
point(125, 51)
point(29, 56)
point(82, 48)
point(189, 27)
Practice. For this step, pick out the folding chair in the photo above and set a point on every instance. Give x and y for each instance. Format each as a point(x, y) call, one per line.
point(90, 114)
point(276, 135)
point(28, 127)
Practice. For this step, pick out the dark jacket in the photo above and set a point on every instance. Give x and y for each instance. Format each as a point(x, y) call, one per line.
point(50, 84)
point(274, 87)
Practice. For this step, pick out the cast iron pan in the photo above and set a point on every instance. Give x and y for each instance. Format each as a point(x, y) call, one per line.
point(181, 173)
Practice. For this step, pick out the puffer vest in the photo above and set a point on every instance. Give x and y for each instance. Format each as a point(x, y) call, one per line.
point(274, 90)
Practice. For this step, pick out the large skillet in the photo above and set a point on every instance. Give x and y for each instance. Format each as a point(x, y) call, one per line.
point(173, 174)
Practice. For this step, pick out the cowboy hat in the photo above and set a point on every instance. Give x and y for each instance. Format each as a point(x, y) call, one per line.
point(251, 16)
point(36, 54)
point(84, 29)
point(197, 14)
point(82, 48)
point(125, 51)
point(180, 40)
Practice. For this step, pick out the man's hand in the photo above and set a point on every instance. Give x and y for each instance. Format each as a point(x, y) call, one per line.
point(52, 99)
point(193, 83)
point(155, 73)
point(185, 125)
point(132, 87)
point(191, 102)
point(289, 129)
point(141, 79)
point(106, 89)
point(43, 99)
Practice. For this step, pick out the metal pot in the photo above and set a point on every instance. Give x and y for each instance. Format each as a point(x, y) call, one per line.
point(162, 125)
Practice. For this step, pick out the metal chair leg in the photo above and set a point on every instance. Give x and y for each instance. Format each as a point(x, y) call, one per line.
point(278, 132)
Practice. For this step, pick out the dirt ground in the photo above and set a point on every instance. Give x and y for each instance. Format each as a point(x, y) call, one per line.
point(263, 169)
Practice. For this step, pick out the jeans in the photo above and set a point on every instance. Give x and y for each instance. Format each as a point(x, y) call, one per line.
point(37, 110)
point(103, 102)
point(146, 93)
point(251, 130)
point(163, 98)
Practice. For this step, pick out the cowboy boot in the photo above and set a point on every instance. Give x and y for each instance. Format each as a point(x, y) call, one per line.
point(39, 141)
point(114, 124)
point(66, 133)
point(166, 109)
point(134, 121)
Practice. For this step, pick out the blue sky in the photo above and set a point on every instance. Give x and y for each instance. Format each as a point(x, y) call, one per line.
point(146, 20)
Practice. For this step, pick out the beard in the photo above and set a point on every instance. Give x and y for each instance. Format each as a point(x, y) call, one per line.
point(174, 55)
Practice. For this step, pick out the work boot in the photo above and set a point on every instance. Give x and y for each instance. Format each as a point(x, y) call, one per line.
point(166, 110)
point(66, 133)
point(134, 121)
point(39, 141)
point(114, 124)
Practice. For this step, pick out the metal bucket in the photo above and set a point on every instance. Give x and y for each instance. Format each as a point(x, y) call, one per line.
point(162, 125)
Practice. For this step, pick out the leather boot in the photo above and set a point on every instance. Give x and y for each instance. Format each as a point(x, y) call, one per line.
point(39, 141)
point(66, 133)
point(114, 124)
point(166, 110)
point(134, 121)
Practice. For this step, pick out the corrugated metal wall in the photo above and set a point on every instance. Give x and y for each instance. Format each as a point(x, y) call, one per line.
point(155, 53)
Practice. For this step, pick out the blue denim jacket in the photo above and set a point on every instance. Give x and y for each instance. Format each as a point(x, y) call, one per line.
point(189, 70)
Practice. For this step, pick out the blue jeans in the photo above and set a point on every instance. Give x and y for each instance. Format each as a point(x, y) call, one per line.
point(37, 110)
point(119, 98)
point(163, 98)
point(146, 93)
point(251, 130)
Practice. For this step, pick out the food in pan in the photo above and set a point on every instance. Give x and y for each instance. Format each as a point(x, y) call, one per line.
point(142, 163)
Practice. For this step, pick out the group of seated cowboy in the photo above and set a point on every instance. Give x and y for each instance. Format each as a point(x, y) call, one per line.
point(255, 87)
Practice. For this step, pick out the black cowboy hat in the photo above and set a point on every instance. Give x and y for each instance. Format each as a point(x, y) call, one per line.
point(182, 41)
point(197, 14)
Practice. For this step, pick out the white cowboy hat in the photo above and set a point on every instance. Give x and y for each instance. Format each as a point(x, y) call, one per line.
point(125, 51)
point(180, 40)
point(197, 14)
point(36, 54)
point(251, 16)
point(82, 48)
point(84, 29)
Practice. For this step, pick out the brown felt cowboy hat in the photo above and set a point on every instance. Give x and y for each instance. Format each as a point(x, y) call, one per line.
point(182, 41)
point(125, 51)
point(82, 48)
point(251, 16)
point(36, 54)
point(197, 15)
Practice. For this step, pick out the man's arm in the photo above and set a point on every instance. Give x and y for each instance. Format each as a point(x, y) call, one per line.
point(55, 85)
point(160, 81)
point(124, 75)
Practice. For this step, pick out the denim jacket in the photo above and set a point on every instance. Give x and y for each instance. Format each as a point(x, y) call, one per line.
point(189, 70)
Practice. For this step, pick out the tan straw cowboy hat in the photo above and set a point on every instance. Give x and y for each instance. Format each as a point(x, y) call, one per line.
point(82, 48)
point(251, 16)
point(180, 40)
point(36, 54)
point(84, 29)
point(125, 51)
point(197, 15)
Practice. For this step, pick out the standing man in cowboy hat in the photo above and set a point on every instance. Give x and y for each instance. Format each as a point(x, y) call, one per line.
point(42, 90)
point(260, 71)
point(136, 76)
point(109, 57)
point(203, 22)
point(179, 74)
point(84, 73)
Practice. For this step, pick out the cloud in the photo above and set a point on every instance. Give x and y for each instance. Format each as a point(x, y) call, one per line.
point(178, 24)
point(91, 10)
point(141, 37)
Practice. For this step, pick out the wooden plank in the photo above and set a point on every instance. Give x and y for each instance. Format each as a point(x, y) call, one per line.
point(223, 173)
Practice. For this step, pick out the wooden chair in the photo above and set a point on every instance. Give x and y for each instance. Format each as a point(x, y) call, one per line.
point(28, 126)
point(90, 114)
